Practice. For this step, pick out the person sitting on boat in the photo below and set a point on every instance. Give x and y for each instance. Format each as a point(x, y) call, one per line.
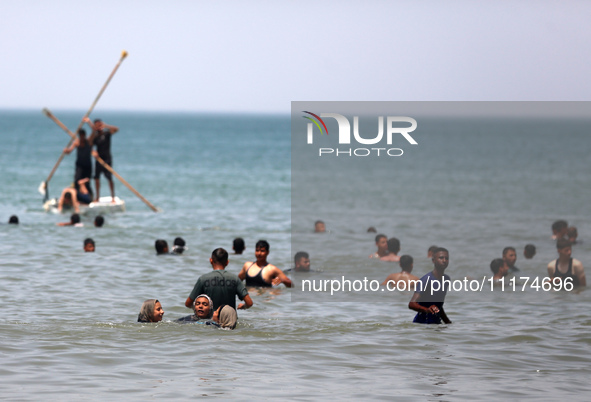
point(83, 160)
point(71, 198)
point(101, 137)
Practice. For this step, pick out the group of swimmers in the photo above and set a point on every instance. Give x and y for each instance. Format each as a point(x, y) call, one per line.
point(429, 304)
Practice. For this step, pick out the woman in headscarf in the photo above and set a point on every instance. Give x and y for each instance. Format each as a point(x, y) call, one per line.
point(151, 311)
point(202, 309)
point(225, 316)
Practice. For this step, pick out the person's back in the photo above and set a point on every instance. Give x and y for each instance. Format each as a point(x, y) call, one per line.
point(393, 281)
point(221, 286)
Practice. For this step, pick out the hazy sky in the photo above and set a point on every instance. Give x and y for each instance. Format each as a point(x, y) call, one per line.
point(258, 56)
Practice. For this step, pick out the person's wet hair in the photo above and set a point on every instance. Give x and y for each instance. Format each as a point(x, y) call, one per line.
point(75, 218)
point(393, 245)
point(219, 256)
point(371, 229)
point(507, 249)
point(572, 232)
point(432, 249)
point(99, 221)
point(179, 241)
point(299, 255)
point(68, 196)
point(439, 250)
point(161, 246)
point(529, 250)
point(88, 241)
point(378, 237)
point(238, 245)
point(406, 262)
point(496, 264)
point(559, 225)
point(13, 220)
point(262, 244)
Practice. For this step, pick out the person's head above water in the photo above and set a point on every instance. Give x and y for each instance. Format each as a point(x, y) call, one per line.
point(302, 261)
point(161, 247)
point(319, 227)
point(203, 307)
point(238, 245)
point(393, 245)
point(529, 251)
point(219, 258)
point(99, 221)
point(497, 265)
point(406, 262)
point(178, 246)
point(440, 259)
point(151, 311)
point(559, 228)
point(89, 245)
point(13, 220)
point(225, 316)
point(509, 256)
point(74, 219)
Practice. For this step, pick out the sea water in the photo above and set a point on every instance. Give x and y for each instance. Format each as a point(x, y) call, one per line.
point(68, 329)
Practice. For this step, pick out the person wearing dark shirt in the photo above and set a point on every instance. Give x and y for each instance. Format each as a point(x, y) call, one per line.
point(101, 137)
point(428, 302)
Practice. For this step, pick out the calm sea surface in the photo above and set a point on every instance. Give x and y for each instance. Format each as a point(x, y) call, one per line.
point(68, 329)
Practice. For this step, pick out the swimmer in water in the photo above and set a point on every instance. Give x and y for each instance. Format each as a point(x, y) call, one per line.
point(151, 311)
point(406, 264)
point(260, 273)
point(529, 251)
point(499, 269)
point(161, 247)
point(319, 227)
point(74, 221)
point(509, 257)
point(202, 309)
point(88, 245)
point(382, 245)
point(565, 266)
point(238, 245)
point(393, 250)
point(178, 246)
point(225, 316)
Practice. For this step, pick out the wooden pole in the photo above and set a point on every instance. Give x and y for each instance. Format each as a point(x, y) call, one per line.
point(43, 186)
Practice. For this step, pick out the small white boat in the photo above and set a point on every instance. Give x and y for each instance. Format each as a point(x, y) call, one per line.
point(105, 205)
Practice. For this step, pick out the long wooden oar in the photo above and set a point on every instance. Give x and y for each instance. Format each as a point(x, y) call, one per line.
point(122, 180)
point(44, 184)
point(101, 161)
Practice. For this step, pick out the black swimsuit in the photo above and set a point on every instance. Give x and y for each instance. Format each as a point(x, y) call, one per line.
point(567, 274)
point(257, 280)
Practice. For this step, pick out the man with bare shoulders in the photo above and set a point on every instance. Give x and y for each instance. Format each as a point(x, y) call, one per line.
point(260, 273)
point(428, 299)
point(393, 250)
point(406, 263)
point(382, 245)
point(565, 266)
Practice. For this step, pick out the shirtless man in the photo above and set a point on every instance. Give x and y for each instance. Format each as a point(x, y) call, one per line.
point(499, 269)
point(382, 245)
point(559, 229)
point(260, 273)
point(406, 263)
point(565, 266)
point(393, 249)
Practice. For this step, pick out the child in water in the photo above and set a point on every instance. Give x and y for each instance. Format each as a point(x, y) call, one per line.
point(151, 311)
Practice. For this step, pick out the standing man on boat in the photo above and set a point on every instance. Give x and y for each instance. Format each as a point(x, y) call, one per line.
point(83, 159)
point(101, 137)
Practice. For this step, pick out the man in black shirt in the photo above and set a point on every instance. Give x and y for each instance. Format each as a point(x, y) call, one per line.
point(101, 137)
